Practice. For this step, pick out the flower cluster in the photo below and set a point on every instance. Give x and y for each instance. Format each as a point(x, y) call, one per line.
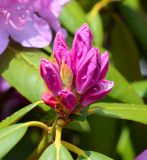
point(28, 21)
point(76, 79)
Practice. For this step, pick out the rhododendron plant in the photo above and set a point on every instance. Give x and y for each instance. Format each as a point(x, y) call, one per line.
point(87, 90)
point(29, 22)
point(76, 78)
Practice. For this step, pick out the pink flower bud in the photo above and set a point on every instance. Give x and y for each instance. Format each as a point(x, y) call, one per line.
point(59, 48)
point(51, 76)
point(82, 43)
point(68, 99)
point(98, 91)
point(49, 100)
point(104, 65)
point(88, 71)
point(79, 79)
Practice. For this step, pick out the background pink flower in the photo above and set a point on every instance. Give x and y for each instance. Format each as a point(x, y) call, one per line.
point(28, 21)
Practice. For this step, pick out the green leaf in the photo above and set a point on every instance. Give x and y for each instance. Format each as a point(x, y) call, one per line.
point(10, 136)
point(74, 14)
point(94, 156)
point(56, 152)
point(135, 17)
point(125, 51)
point(122, 90)
point(99, 126)
point(141, 88)
point(125, 146)
point(134, 112)
point(76, 17)
point(17, 115)
point(81, 126)
point(20, 67)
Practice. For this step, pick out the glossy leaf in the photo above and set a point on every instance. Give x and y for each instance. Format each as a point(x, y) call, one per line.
point(56, 152)
point(90, 155)
point(141, 88)
point(122, 90)
point(75, 16)
point(125, 53)
point(21, 69)
point(10, 136)
point(17, 115)
point(134, 112)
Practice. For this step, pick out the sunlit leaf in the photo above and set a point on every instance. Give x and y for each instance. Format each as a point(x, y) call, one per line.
point(10, 136)
point(134, 112)
point(122, 90)
point(21, 69)
point(56, 152)
point(75, 15)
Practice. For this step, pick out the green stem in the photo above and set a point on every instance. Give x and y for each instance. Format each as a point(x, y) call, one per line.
point(52, 131)
point(38, 124)
point(74, 149)
point(98, 6)
point(58, 134)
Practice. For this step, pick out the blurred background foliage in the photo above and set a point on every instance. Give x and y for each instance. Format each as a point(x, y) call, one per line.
point(119, 26)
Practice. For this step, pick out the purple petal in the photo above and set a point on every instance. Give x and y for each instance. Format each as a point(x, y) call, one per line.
point(142, 156)
point(104, 65)
point(4, 85)
point(63, 2)
point(88, 71)
point(97, 92)
point(68, 99)
point(49, 100)
point(51, 76)
point(59, 48)
point(4, 40)
point(50, 10)
point(82, 43)
point(35, 32)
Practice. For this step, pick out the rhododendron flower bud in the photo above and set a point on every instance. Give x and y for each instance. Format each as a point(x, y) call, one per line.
point(88, 71)
point(82, 43)
point(77, 79)
point(68, 99)
point(104, 65)
point(142, 156)
point(50, 74)
point(29, 22)
point(98, 91)
point(59, 48)
point(49, 100)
